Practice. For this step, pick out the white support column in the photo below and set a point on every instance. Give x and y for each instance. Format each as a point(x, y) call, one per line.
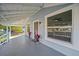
point(75, 29)
point(24, 31)
point(7, 33)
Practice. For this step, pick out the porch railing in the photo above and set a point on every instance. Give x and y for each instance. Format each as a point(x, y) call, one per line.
point(3, 38)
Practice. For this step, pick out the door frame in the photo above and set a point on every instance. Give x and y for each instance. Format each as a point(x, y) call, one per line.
point(33, 26)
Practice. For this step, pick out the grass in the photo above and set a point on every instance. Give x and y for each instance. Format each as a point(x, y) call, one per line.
point(16, 29)
point(3, 40)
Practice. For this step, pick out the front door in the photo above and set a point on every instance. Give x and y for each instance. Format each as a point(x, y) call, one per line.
point(36, 27)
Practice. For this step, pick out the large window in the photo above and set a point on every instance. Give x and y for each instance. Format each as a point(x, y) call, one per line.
point(59, 26)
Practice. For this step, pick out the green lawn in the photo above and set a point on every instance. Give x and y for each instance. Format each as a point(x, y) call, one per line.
point(17, 29)
point(4, 38)
point(14, 30)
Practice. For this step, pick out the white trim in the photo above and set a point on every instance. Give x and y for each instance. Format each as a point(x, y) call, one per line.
point(60, 11)
point(33, 27)
point(63, 43)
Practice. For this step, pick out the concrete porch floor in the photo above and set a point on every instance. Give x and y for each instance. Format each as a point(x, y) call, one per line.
point(21, 46)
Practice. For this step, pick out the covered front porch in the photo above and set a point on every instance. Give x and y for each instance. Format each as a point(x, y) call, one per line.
point(56, 25)
point(23, 46)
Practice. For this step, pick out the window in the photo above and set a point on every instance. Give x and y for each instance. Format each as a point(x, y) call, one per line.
point(28, 27)
point(60, 26)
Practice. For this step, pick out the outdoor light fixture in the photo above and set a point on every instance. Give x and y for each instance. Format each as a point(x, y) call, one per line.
point(39, 22)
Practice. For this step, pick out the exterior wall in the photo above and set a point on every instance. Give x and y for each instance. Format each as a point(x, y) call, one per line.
point(64, 48)
point(40, 15)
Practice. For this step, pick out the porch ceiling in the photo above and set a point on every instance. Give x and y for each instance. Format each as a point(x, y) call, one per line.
point(17, 13)
point(10, 13)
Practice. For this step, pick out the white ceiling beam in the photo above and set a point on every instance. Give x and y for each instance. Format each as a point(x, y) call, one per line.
point(52, 4)
point(22, 4)
point(3, 18)
point(14, 14)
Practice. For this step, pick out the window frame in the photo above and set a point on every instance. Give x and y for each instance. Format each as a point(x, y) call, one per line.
point(60, 42)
